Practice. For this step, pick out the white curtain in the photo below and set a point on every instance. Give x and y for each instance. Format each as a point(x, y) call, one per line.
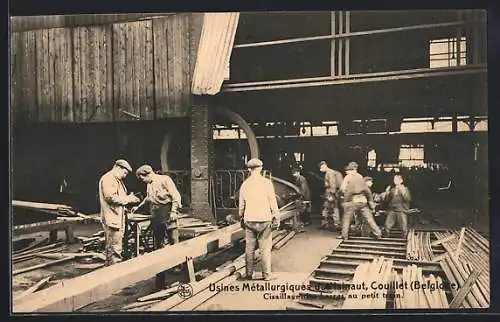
point(214, 52)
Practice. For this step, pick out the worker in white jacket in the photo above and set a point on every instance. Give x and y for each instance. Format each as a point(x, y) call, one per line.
point(259, 214)
point(113, 198)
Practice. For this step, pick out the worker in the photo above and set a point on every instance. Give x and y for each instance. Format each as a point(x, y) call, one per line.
point(357, 201)
point(301, 183)
point(398, 201)
point(259, 215)
point(113, 198)
point(333, 180)
point(164, 200)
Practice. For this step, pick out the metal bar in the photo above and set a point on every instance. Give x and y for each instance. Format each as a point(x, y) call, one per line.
point(333, 42)
point(347, 42)
point(364, 75)
point(401, 76)
point(341, 44)
point(357, 33)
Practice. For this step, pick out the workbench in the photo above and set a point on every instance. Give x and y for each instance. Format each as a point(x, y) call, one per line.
point(137, 233)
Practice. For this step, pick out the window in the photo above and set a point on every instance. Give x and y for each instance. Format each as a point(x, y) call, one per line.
point(447, 52)
point(372, 159)
point(299, 157)
point(411, 156)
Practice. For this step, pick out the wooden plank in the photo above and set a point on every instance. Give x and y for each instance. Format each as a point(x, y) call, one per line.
point(68, 112)
point(29, 88)
point(127, 95)
point(85, 60)
point(32, 268)
point(16, 50)
point(33, 288)
point(108, 48)
point(35, 244)
point(160, 68)
point(170, 33)
point(140, 68)
point(118, 70)
point(466, 288)
point(149, 84)
point(42, 39)
point(40, 227)
point(52, 108)
point(186, 85)
point(178, 60)
point(93, 83)
point(38, 205)
point(189, 266)
point(76, 61)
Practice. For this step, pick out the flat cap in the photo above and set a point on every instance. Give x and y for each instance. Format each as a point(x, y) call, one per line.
point(123, 164)
point(144, 170)
point(368, 178)
point(254, 163)
point(352, 166)
point(322, 163)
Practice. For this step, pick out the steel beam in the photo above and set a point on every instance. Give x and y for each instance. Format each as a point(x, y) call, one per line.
point(359, 33)
point(354, 79)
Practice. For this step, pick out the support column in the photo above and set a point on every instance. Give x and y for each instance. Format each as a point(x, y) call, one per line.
point(201, 158)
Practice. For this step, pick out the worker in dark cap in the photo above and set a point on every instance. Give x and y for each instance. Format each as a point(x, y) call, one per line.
point(113, 198)
point(333, 180)
point(358, 200)
point(164, 200)
point(301, 183)
point(398, 199)
point(259, 214)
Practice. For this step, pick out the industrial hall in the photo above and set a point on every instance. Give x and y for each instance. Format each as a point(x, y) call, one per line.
point(249, 161)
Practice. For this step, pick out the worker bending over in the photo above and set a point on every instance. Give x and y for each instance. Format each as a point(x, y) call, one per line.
point(398, 200)
point(164, 199)
point(333, 180)
point(113, 198)
point(259, 214)
point(357, 201)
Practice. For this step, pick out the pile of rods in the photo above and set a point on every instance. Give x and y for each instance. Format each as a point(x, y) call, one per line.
point(418, 246)
point(379, 270)
point(466, 252)
point(407, 297)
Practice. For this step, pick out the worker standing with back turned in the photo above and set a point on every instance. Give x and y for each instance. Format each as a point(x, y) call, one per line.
point(113, 198)
point(358, 200)
point(164, 199)
point(259, 214)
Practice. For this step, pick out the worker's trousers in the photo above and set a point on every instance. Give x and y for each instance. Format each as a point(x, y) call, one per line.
point(113, 245)
point(330, 213)
point(360, 209)
point(162, 227)
point(258, 232)
point(396, 216)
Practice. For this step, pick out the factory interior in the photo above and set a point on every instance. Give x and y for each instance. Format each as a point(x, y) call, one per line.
point(196, 96)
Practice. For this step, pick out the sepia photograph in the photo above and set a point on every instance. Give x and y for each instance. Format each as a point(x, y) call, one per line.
point(249, 161)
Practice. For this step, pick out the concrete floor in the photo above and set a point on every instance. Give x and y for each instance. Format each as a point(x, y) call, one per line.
point(292, 264)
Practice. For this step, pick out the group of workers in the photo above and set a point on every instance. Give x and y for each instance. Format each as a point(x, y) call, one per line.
point(352, 196)
point(347, 199)
point(163, 200)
